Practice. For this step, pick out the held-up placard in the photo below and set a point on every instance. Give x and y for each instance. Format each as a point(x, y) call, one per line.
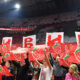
point(78, 38)
point(7, 40)
point(29, 41)
point(54, 37)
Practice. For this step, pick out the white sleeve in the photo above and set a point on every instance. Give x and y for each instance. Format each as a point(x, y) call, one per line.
point(41, 66)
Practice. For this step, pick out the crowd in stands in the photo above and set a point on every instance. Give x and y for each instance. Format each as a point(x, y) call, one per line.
point(41, 34)
point(49, 19)
point(47, 69)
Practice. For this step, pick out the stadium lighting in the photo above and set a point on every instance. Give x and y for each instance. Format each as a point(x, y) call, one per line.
point(17, 6)
point(6, 0)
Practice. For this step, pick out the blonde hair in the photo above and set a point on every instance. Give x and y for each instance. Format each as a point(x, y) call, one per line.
point(75, 68)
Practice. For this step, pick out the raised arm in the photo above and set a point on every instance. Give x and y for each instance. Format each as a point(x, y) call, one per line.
point(47, 60)
point(37, 62)
point(51, 59)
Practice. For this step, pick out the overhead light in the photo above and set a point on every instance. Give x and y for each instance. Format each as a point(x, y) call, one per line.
point(17, 6)
point(6, 0)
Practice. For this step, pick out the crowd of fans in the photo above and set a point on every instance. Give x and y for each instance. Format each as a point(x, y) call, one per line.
point(47, 69)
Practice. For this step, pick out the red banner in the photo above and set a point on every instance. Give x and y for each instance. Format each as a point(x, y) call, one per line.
point(16, 29)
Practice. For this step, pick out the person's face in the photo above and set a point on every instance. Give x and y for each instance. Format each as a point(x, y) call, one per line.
point(71, 70)
point(44, 63)
point(33, 79)
point(7, 64)
point(22, 63)
point(57, 59)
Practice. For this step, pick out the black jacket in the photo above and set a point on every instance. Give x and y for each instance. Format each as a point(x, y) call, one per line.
point(22, 71)
point(58, 70)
